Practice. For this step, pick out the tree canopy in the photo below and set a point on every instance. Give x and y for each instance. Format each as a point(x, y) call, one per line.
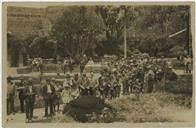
point(99, 30)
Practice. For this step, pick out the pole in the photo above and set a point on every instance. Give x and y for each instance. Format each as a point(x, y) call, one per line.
point(125, 42)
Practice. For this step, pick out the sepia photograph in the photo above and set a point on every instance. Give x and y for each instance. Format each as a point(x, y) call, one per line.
point(98, 63)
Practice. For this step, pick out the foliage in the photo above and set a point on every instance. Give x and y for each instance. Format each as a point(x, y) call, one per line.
point(182, 85)
point(77, 31)
point(115, 18)
point(177, 50)
point(154, 24)
point(178, 64)
point(99, 30)
point(42, 46)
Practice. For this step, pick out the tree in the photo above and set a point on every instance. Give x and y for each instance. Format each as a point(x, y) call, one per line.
point(153, 26)
point(77, 31)
point(114, 19)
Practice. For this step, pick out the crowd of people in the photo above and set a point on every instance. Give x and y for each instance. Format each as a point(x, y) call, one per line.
point(122, 77)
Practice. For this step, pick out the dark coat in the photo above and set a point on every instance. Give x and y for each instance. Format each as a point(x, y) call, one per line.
point(29, 96)
point(44, 91)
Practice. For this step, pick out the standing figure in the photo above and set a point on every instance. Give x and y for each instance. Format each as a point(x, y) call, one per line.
point(48, 92)
point(83, 62)
point(41, 66)
point(150, 81)
point(118, 87)
point(21, 95)
point(29, 93)
point(70, 64)
point(66, 92)
point(91, 84)
point(75, 86)
point(130, 82)
point(65, 65)
point(58, 68)
point(125, 85)
point(57, 95)
point(101, 86)
point(11, 89)
point(84, 85)
point(68, 81)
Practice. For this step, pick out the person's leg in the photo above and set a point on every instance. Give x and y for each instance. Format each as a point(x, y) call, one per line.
point(58, 104)
point(11, 104)
point(51, 106)
point(8, 106)
point(27, 110)
point(150, 87)
point(46, 108)
point(22, 105)
point(31, 108)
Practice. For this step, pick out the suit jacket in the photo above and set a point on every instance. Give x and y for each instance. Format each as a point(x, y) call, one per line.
point(29, 96)
point(45, 91)
point(21, 91)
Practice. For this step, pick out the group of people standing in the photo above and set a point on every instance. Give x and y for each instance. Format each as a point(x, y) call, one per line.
point(122, 77)
point(130, 76)
point(26, 93)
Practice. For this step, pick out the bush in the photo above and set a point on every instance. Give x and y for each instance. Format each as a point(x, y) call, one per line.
point(177, 64)
point(171, 76)
point(166, 99)
point(144, 109)
point(182, 85)
point(82, 107)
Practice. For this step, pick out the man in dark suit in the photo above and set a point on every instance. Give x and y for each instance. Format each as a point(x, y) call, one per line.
point(29, 93)
point(11, 89)
point(48, 93)
point(21, 96)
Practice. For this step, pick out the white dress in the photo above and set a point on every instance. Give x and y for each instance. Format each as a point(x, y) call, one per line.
point(66, 95)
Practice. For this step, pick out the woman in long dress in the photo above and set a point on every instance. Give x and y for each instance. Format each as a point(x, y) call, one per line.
point(66, 95)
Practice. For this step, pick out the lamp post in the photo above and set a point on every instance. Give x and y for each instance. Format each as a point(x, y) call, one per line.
point(125, 33)
point(125, 41)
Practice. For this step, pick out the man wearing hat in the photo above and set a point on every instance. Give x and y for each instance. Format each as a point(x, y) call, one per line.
point(11, 89)
point(29, 93)
point(48, 92)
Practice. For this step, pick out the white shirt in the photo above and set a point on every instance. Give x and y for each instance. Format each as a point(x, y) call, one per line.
point(30, 89)
point(49, 90)
point(67, 83)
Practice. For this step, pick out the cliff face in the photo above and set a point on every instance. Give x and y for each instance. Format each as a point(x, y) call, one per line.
point(22, 21)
